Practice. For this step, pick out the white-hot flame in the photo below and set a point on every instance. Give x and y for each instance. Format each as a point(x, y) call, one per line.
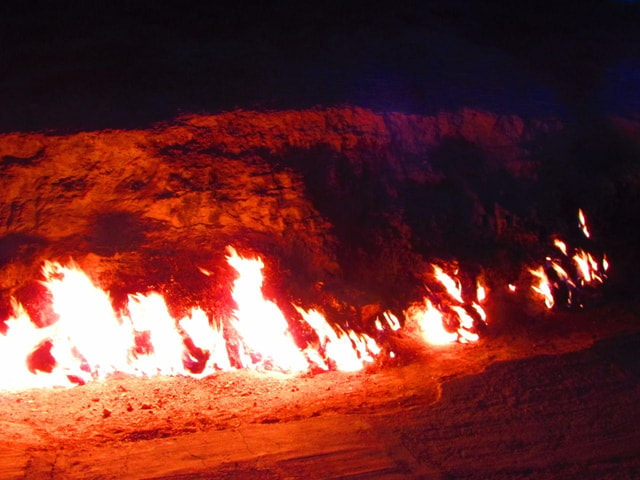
point(87, 324)
point(587, 271)
point(582, 223)
point(481, 293)
point(392, 321)
point(348, 351)
point(209, 338)
point(90, 340)
point(452, 286)
point(21, 339)
point(562, 246)
point(260, 323)
point(543, 286)
point(431, 323)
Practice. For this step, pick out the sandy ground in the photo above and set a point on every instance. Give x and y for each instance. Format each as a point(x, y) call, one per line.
point(556, 397)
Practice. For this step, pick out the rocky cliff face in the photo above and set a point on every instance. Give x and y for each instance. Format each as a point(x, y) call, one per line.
point(342, 198)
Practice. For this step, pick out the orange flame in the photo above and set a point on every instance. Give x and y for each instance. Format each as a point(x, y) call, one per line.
point(348, 351)
point(588, 271)
point(561, 246)
point(90, 340)
point(431, 323)
point(543, 286)
point(582, 223)
point(452, 286)
point(260, 323)
point(432, 320)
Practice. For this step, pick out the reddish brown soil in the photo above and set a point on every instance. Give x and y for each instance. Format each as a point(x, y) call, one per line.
point(552, 398)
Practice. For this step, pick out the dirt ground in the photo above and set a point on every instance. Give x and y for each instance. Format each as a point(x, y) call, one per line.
point(555, 397)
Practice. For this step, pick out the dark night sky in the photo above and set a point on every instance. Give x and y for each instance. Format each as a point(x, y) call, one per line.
point(82, 65)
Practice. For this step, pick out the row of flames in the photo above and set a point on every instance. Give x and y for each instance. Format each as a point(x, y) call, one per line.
point(91, 340)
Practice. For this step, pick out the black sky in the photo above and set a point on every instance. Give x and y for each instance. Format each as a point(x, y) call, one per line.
point(83, 65)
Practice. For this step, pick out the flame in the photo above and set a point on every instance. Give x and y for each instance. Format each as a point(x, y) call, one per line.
point(452, 286)
point(260, 323)
point(587, 271)
point(209, 338)
point(23, 338)
point(466, 325)
point(561, 246)
point(481, 292)
point(582, 223)
point(511, 287)
point(149, 315)
point(348, 351)
point(451, 319)
point(543, 286)
point(91, 340)
point(431, 323)
point(392, 320)
point(88, 335)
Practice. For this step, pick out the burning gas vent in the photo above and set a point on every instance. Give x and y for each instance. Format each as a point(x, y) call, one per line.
point(90, 340)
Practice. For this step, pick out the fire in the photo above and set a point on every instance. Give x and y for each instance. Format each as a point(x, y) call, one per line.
point(23, 338)
point(260, 323)
point(561, 279)
point(451, 319)
point(88, 336)
point(348, 351)
point(209, 338)
point(452, 286)
point(431, 323)
point(543, 286)
point(150, 316)
point(90, 340)
point(582, 223)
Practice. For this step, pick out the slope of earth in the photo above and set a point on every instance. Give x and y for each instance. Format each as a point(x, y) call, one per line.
point(554, 398)
point(328, 194)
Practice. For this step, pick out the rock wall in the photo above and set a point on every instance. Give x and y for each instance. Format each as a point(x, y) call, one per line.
point(331, 196)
